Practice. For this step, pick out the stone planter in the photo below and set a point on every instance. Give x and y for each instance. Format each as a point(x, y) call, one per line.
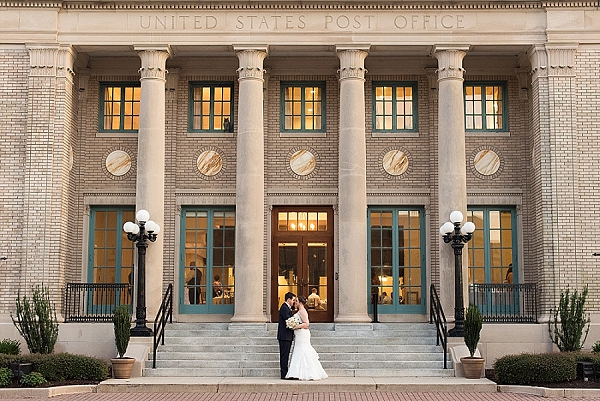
point(472, 366)
point(122, 367)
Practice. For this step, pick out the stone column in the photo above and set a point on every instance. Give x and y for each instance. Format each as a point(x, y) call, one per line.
point(352, 188)
point(452, 164)
point(150, 184)
point(250, 188)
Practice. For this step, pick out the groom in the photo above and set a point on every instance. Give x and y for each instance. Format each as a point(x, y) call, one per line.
point(285, 335)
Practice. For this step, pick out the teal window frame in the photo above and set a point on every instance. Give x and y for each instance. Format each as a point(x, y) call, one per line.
point(488, 249)
point(211, 248)
point(483, 108)
point(216, 106)
point(303, 105)
point(120, 245)
point(396, 250)
point(124, 105)
point(394, 113)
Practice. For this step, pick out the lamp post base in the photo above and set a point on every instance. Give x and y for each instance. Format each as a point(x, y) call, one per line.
point(141, 332)
point(456, 332)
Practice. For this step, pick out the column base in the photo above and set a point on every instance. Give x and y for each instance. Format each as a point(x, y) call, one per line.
point(353, 318)
point(249, 319)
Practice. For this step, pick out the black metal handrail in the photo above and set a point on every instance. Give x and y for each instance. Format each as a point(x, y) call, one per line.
point(437, 316)
point(95, 302)
point(165, 312)
point(505, 303)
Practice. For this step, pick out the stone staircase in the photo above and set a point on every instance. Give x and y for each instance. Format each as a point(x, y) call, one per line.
point(345, 350)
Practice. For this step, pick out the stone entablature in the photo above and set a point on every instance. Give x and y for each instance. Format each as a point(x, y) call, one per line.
point(99, 24)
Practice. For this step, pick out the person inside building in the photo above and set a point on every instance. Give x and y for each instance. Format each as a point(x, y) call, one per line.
point(314, 301)
point(509, 275)
point(386, 299)
point(193, 283)
point(217, 286)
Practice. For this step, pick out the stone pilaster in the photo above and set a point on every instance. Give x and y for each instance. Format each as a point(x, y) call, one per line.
point(352, 187)
point(250, 187)
point(452, 176)
point(48, 154)
point(150, 184)
point(555, 150)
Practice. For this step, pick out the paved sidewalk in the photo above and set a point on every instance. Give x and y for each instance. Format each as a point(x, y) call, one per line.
point(272, 389)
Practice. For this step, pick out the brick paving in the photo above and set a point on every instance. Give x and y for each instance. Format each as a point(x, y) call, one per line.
point(311, 396)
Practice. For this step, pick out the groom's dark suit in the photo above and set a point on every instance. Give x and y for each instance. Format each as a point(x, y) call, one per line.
point(285, 337)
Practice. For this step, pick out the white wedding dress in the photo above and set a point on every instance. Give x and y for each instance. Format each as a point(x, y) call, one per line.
point(305, 364)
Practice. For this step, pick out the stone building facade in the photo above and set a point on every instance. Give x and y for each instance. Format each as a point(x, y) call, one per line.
point(286, 146)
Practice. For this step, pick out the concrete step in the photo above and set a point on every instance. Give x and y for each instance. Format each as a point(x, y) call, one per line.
point(346, 350)
point(324, 356)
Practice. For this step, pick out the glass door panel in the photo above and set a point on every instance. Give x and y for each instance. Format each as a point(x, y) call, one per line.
point(287, 277)
point(317, 277)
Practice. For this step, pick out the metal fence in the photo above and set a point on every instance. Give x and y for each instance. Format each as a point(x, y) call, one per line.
point(91, 302)
point(505, 303)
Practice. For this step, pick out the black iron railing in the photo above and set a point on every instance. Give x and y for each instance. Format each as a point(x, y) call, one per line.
point(164, 313)
point(95, 302)
point(436, 315)
point(505, 303)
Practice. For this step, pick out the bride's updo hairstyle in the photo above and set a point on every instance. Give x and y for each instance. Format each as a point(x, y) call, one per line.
point(302, 299)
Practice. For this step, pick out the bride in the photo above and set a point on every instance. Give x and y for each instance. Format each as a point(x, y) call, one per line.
point(305, 363)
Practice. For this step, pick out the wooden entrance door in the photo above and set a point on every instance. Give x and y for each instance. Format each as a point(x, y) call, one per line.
point(302, 259)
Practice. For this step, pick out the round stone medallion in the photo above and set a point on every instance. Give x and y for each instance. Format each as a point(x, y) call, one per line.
point(395, 162)
point(486, 162)
point(303, 162)
point(118, 163)
point(209, 163)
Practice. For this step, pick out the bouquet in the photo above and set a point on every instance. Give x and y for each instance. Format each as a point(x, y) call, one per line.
point(293, 322)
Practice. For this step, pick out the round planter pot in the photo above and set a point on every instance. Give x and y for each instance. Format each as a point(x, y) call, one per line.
point(472, 366)
point(122, 367)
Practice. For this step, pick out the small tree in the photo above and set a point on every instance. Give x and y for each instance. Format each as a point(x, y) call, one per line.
point(569, 322)
point(472, 328)
point(122, 324)
point(36, 321)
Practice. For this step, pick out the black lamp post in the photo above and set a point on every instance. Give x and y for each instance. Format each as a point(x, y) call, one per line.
point(146, 229)
point(457, 237)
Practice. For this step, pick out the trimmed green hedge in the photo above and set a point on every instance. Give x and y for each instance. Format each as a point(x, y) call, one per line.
point(528, 369)
point(63, 366)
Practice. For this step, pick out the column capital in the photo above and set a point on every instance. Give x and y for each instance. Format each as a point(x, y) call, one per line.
point(352, 61)
point(154, 61)
point(251, 61)
point(450, 61)
point(561, 59)
point(539, 61)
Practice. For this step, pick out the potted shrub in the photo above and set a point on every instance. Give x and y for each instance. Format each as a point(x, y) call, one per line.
point(122, 365)
point(472, 365)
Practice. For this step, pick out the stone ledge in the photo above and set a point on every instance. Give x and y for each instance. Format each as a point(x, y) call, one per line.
point(47, 392)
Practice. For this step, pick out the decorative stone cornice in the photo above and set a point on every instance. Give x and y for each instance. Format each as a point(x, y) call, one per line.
point(352, 61)
point(251, 61)
point(303, 6)
point(561, 59)
point(165, 5)
point(450, 61)
point(154, 61)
